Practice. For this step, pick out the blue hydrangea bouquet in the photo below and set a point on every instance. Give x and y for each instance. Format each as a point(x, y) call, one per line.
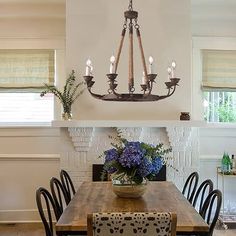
point(134, 162)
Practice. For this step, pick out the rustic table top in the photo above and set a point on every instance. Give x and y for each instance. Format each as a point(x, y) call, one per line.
point(159, 197)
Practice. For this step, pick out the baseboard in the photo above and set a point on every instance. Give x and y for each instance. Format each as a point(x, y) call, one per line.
point(19, 216)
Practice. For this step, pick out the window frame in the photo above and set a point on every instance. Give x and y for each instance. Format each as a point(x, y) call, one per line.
point(199, 44)
point(55, 44)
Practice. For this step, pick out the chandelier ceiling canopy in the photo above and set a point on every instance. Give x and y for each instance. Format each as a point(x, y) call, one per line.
point(148, 80)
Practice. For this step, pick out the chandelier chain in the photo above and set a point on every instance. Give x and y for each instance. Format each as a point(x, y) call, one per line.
point(130, 5)
point(125, 24)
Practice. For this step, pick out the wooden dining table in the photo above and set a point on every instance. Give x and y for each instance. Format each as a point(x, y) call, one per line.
point(159, 197)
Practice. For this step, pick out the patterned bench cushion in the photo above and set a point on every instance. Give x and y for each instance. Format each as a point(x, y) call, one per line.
point(136, 223)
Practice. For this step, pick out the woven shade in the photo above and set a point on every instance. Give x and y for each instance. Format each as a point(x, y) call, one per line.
point(219, 70)
point(26, 70)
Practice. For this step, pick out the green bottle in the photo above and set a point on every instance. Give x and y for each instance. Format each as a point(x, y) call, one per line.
point(224, 163)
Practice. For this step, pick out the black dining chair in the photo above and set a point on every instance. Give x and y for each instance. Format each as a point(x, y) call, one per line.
point(44, 199)
point(190, 186)
point(211, 209)
point(201, 194)
point(67, 184)
point(59, 195)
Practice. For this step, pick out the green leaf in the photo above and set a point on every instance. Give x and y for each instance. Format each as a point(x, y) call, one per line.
point(69, 94)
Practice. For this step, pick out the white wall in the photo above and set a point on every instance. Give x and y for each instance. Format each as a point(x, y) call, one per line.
point(215, 18)
point(213, 143)
point(213, 27)
point(29, 156)
point(35, 19)
point(93, 30)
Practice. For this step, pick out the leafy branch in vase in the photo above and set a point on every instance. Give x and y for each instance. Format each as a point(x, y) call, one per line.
point(68, 95)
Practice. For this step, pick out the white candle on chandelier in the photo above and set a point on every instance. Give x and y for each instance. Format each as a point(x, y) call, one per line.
point(112, 65)
point(169, 70)
point(89, 68)
point(144, 79)
point(151, 60)
point(173, 66)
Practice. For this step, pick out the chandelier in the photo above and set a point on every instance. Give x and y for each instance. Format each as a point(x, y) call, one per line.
point(148, 79)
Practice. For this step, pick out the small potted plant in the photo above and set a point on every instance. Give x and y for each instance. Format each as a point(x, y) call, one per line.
point(67, 96)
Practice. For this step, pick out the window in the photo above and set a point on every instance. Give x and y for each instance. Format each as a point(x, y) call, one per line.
point(219, 85)
point(22, 76)
point(220, 106)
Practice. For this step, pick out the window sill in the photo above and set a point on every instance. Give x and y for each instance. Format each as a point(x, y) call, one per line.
point(222, 125)
point(24, 124)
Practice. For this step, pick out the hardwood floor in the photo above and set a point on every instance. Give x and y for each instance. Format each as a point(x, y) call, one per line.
point(37, 230)
point(31, 229)
point(229, 232)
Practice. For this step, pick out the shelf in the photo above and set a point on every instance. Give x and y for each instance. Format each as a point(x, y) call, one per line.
point(227, 175)
point(227, 218)
point(127, 123)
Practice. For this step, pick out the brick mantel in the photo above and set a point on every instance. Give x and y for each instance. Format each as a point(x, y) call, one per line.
point(91, 138)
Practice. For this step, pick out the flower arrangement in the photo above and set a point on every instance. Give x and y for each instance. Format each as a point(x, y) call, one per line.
point(68, 95)
point(134, 161)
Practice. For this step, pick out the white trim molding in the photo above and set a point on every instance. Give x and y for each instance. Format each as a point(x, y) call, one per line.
point(32, 43)
point(29, 157)
point(29, 132)
point(19, 216)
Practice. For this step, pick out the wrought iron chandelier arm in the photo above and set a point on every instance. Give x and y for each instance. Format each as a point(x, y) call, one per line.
point(98, 96)
point(150, 87)
point(168, 94)
point(89, 81)
point(173, 90)
point(111, 96)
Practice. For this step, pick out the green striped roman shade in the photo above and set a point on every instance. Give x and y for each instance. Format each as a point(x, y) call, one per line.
point(218, 70)
point(26, 70)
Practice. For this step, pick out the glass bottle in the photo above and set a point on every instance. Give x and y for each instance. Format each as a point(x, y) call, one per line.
point(224, 163)
point(228, 164)
point(233, 161)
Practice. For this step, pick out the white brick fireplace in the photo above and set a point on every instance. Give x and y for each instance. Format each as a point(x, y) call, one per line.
point(88, 140)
